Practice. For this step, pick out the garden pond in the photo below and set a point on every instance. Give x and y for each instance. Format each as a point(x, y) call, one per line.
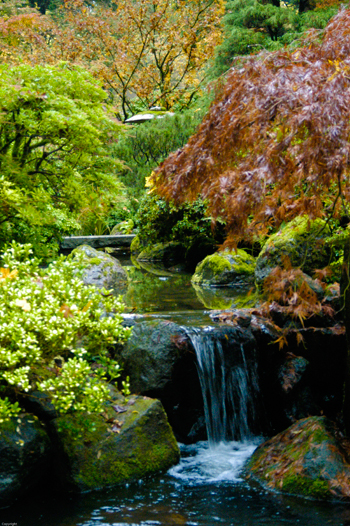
point(207, 487)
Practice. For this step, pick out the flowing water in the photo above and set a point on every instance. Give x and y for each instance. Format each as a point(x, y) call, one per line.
point(208, 486)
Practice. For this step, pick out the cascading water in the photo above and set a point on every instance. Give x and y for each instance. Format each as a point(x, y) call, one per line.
point(228, 377)
point(229, 391)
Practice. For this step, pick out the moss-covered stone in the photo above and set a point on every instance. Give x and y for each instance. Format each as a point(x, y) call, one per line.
point(305, 460)
point(102, 270)
point(137, 245)
point(301, 242)
point(131, 440)
point(227, 268)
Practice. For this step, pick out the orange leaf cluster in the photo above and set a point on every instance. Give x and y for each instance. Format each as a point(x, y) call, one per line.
point(275, 143)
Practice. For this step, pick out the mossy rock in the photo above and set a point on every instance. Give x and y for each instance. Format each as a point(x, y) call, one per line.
point(300, 243)
point(171, 252)
point(102, 270)
point(131, 440)
point(306, 460)
point(227, 268)
point(24, 454)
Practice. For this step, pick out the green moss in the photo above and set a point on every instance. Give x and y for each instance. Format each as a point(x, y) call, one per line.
point(98, 455)
point(225, 268)
point(302, 241)
point(136, 247)
point(299, 485)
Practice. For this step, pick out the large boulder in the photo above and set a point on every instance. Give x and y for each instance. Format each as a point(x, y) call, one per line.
point(306, 460)
point(230, 268)
point(131, 440)
point(24, 454)
point(300, 242)
point(161, 363)
point(101, 269)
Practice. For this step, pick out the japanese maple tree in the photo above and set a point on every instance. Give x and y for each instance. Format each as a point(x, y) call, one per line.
point(275, 145)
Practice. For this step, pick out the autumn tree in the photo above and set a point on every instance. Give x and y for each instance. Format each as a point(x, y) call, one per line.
point(147, 53)
point(275, 145)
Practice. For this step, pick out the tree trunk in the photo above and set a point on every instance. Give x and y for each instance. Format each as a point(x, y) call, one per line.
point(345, 294)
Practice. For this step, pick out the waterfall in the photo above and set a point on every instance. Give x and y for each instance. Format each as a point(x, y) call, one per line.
point(228, 382)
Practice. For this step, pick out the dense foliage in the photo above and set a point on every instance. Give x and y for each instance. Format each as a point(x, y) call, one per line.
point(253, 25)
point(146, 53)
point(54, 159)
point(189, 224)
point(56, 335)
point(148, 144)
point(275, 142)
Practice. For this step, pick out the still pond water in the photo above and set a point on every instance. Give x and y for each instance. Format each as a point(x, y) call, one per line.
point(208, 487)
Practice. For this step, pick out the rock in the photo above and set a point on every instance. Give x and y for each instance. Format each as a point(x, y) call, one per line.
point(131, 440)
point(301, 241)
point(151, 354)
point(291, 372)
point(228, 268)
point(160, 359)
point(24, 454)
point(161, 363)
point(102, 270)
point(307, 460)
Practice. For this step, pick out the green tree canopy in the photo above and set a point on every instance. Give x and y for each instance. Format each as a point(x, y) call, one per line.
point(54, 132)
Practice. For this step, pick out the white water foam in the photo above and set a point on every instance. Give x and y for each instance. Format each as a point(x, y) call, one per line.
point(222, 462)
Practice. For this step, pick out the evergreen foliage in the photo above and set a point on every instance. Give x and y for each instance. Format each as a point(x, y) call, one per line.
point(148, 144)
point(253, 25)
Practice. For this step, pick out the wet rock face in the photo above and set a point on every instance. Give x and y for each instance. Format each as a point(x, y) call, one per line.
point(160, 358)
point(24, 457)
point(130, 440)
point(161, 363)
point(301, 241)
point(307, 460)
point(102, 270)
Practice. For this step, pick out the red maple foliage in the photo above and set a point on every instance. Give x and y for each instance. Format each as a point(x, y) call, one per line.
point(275, 143)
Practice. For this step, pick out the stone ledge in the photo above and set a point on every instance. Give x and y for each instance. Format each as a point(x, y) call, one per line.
point(122, 240)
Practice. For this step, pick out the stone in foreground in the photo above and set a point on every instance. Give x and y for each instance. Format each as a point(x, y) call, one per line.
point(306, 460)
point(129, 441)
point(24, 454)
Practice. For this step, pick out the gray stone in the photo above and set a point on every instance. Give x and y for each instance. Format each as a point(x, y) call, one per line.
point(102, 270)
point(307, 460)
point(115, 241)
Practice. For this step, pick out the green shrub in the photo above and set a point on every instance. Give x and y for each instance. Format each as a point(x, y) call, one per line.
point(148, 144)
point(56, 334)
point(189, 224)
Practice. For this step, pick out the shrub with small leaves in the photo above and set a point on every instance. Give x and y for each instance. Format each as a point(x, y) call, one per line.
point(56, 334)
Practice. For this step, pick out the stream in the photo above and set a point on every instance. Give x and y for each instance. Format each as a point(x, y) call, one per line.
point(207, 487)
